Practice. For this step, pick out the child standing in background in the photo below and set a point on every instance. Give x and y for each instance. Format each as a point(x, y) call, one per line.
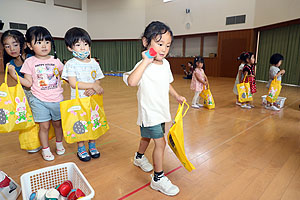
point(199, 80)
point(87, 73)
point(275, 61)
point(249, 71)
point(153, 78)
point(238, 79)
point(42, 74)
point(15, 52)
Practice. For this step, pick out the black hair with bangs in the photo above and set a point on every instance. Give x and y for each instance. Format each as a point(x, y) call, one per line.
point(76, 34)
point(155, 29)
point(39, 33)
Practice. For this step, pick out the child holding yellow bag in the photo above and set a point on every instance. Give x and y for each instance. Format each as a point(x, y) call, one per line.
point(199, 79)
point(42, 74)
point(153, 77)
point(274, 74)
point(87, 73)
point(15, 52)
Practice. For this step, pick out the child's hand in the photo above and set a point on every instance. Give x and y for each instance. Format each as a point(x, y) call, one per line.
point(12, 71)
point(89, 92)
point(282, 71)
point(146, 58)
point(98, 89)
point(180, 99)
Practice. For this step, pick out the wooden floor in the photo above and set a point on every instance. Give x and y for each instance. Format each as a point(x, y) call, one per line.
point(238, 154)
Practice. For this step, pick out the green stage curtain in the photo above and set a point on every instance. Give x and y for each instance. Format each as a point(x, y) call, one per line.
point(286, 41)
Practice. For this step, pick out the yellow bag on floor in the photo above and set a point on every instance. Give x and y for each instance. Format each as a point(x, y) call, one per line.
point(274, 90)
point(244, 91)
point(208, 98)
point(83, 119)
point(29, 138)
point(176, 138)
point(15, 113)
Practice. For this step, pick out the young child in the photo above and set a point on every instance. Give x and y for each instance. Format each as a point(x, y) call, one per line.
point(153, 77)
point(238, 79)
point(249, 71)
point(15, 52)
point(42, 74)
point(87, 73)
point(198, 80)
point(189, 72)
point(275, 61)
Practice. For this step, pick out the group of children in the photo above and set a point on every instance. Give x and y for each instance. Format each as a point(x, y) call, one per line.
point(40, 75)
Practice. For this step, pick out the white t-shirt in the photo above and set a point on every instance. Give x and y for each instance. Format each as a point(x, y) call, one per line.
point(84, 72)
point(153, 94)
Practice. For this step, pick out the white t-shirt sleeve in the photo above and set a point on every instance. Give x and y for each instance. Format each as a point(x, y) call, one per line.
point(69, 70)
point(171, 79)
point(126, 74)
point(99, 72)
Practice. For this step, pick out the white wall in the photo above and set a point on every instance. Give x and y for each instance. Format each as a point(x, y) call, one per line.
point(274, 11)
point(116, 19)
point(56, 19)
point(205, 15)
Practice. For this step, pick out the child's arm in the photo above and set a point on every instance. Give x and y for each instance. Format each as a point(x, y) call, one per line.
point(179, 99)
point(240, 75)
point(136, 75)
point(23, 81)
point(280, 73)
point(200, 80)
point(81, 85)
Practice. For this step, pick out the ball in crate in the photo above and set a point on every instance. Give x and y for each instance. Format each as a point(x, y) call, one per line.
point(65, 188)
point(75, 194)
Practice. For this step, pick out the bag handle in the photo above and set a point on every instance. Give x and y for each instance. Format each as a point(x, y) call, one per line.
point(77, 93)
point(244, 79)
point(182, 105)
point(204, 87)
point(6, 72)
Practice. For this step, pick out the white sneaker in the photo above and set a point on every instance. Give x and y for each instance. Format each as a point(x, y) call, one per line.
point(272, 108)
point(60, 150)
point(35, 150)
point(164, 185)
point(238, 103)
point(200, 105)
point(195, 106)
point(143, 163)
point(47, 155)
point(245, 106)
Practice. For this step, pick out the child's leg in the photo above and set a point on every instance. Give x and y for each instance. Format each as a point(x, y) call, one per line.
point(195, 100)
point(159, 181)
point(140, 159)
point(93, 150)
point(44, 134)
point(82, 153)
point(60, 150)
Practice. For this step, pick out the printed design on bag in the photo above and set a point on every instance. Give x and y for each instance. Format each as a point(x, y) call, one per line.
point(172, 142)
point(272, 92)
point(95, 118)
point(7, 102)
point(243, 91)
point(21, 110)
point(3, 94)
point(80, 127)
point(4, 116)
point(209, 100)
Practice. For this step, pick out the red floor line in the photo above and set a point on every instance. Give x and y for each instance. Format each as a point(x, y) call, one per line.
point(140, 188)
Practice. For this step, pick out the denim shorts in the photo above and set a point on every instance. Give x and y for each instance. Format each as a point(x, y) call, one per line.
point(154, 132)
point(44, 111)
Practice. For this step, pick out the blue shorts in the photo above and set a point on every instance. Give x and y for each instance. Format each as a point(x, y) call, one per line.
point(44, 111)
point(154, 132)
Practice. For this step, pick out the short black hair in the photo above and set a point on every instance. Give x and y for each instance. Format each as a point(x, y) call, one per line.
point(75, 34)
point(154, 29)
point(245, 55)
point(39, 33)
point(275, 58)
point(199, 59)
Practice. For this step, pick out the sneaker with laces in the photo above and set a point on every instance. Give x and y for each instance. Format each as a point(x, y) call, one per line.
point(47, 155)
point(35, 150)
point(143, 163)
point(164, 185)
point(83, 156)
point(94, 153)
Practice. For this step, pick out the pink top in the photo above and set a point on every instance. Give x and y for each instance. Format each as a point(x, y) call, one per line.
point(195, 84)
point(46, 83)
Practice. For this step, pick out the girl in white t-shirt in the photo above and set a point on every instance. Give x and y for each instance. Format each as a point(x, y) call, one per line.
point(42, 74)
point(153, 77)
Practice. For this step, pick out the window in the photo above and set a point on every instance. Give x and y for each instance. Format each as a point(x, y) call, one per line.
point(75, 4)
point(192, 46)
point(176, 48)
point(210, 45)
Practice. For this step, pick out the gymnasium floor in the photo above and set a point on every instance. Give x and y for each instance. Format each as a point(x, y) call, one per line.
point(238, 153)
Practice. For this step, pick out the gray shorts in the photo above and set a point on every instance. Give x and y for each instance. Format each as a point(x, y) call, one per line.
point(44, 111)
point(154, 132)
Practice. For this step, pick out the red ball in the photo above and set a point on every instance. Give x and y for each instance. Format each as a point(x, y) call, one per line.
point(65, 188)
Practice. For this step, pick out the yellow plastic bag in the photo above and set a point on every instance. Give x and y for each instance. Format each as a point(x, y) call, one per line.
point(83, 118)
point(244, 91)
point(208, 98)
point(15, 113)
point(176, 138)
point(29, 138)
point(274, 90)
